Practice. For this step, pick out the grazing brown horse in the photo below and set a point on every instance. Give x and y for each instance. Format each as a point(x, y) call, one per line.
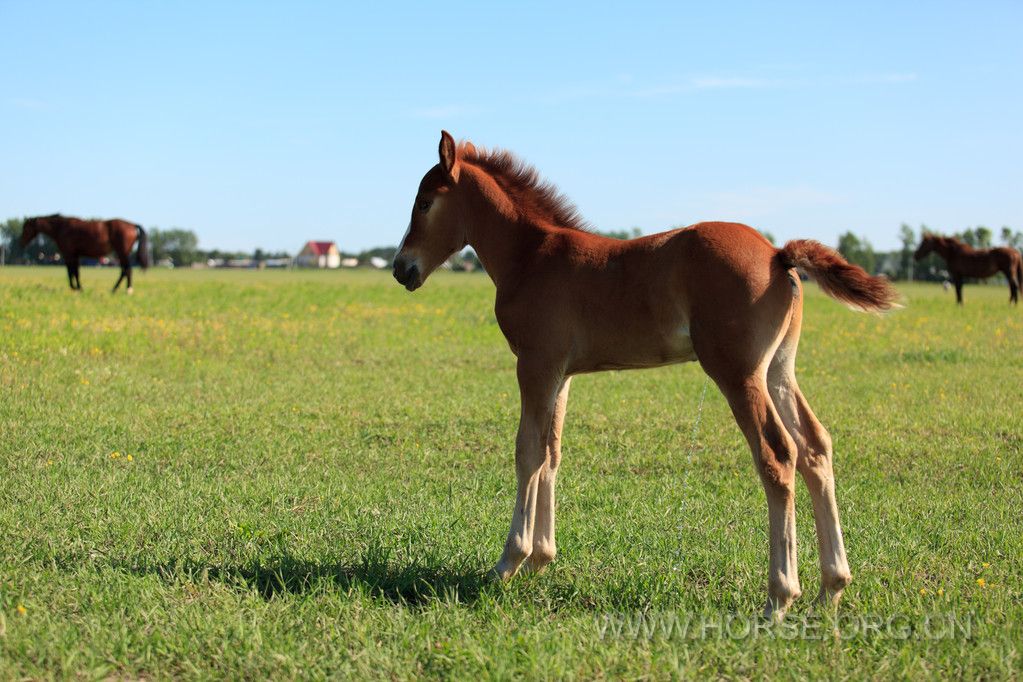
point(965, 261)
point(570, 302)
point(76, 238)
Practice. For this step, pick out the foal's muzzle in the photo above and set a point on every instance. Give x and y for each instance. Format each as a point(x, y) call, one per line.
point(407, 274)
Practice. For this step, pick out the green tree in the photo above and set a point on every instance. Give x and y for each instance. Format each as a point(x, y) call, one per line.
point(978, 237)
point(908, 239)
point(858, 251)
point(1012, 239)
point(622, 234)
point(181, 246)
point(10, 232)
point(984, 236)
point(385, 252)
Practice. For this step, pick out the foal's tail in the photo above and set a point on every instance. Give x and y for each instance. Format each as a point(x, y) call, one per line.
point(838, 278)
point(143, 252)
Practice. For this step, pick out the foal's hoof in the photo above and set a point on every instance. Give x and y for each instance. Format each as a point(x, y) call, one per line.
point(777, 606)
point(501, 574)
point(493, 576)
point(130, 291)
point(529, 568)
point(832, 586)
point(774, 613)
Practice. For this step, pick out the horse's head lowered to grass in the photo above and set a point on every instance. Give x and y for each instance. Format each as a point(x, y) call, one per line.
point(439, 224)
point(29, 231)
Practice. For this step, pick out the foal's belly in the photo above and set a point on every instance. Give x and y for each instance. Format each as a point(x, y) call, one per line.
point(638, 351)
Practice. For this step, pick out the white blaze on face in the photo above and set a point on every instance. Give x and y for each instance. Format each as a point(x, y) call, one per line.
point(428, 218)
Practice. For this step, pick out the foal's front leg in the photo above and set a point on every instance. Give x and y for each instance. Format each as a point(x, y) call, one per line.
point(539, 385)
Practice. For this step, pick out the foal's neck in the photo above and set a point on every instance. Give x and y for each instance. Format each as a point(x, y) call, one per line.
point(502, 239)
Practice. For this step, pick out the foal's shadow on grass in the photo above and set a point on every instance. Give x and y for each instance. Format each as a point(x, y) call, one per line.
point(408, 585)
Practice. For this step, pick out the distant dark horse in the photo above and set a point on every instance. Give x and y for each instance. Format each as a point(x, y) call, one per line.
point(965, 261)
point(90, 238)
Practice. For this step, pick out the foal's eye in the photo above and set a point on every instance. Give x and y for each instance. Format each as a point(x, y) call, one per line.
point(425, 205)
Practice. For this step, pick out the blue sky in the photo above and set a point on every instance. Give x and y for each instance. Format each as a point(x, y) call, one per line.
point(266, 124)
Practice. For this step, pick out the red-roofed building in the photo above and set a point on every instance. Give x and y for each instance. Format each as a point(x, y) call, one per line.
point(319, 255)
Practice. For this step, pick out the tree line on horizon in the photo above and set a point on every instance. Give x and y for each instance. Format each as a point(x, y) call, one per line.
point(900, 264)
point(181, 247)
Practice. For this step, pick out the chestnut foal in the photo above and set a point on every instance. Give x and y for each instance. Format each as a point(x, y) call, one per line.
point(570, 302)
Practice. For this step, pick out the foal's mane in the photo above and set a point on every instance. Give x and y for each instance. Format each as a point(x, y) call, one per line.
point(538, 199)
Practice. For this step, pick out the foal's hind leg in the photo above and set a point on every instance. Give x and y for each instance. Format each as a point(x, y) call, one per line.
point(740, 370)
point(539, 385)
point(774, 454)
point(544, 546)
point(813, 444)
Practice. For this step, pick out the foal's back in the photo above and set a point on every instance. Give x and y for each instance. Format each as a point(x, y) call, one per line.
point(616, 304)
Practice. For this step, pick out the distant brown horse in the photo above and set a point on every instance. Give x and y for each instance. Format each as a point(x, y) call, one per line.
point(90, 238)
point(570, 302)
point(965, 261)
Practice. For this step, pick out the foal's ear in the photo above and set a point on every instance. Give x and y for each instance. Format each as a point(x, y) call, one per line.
point(448, 155)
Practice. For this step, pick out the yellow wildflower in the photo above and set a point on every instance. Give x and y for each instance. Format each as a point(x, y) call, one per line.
point(129, 458)
point(981, 582)
point(20, 608)
point(923, 591)
point(985, 565)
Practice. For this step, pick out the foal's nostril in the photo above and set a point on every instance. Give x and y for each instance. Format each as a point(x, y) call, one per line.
point(406, 273)
point(399, 271)
point(412, 278)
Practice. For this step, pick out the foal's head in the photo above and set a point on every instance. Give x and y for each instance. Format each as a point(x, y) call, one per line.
point(438, 227)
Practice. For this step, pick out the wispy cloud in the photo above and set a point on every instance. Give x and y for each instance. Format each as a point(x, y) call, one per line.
point(625, 88)
point(698, 83)
point(444, 112)
point(27, 103)
point(717, 83)
point(890, 78)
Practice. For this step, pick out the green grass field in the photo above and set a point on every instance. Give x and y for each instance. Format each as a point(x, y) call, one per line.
point(307, 474)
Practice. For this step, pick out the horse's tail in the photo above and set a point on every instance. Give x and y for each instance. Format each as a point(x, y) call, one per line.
point(143, 252)
point(1019, 272)
point(838, 278)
